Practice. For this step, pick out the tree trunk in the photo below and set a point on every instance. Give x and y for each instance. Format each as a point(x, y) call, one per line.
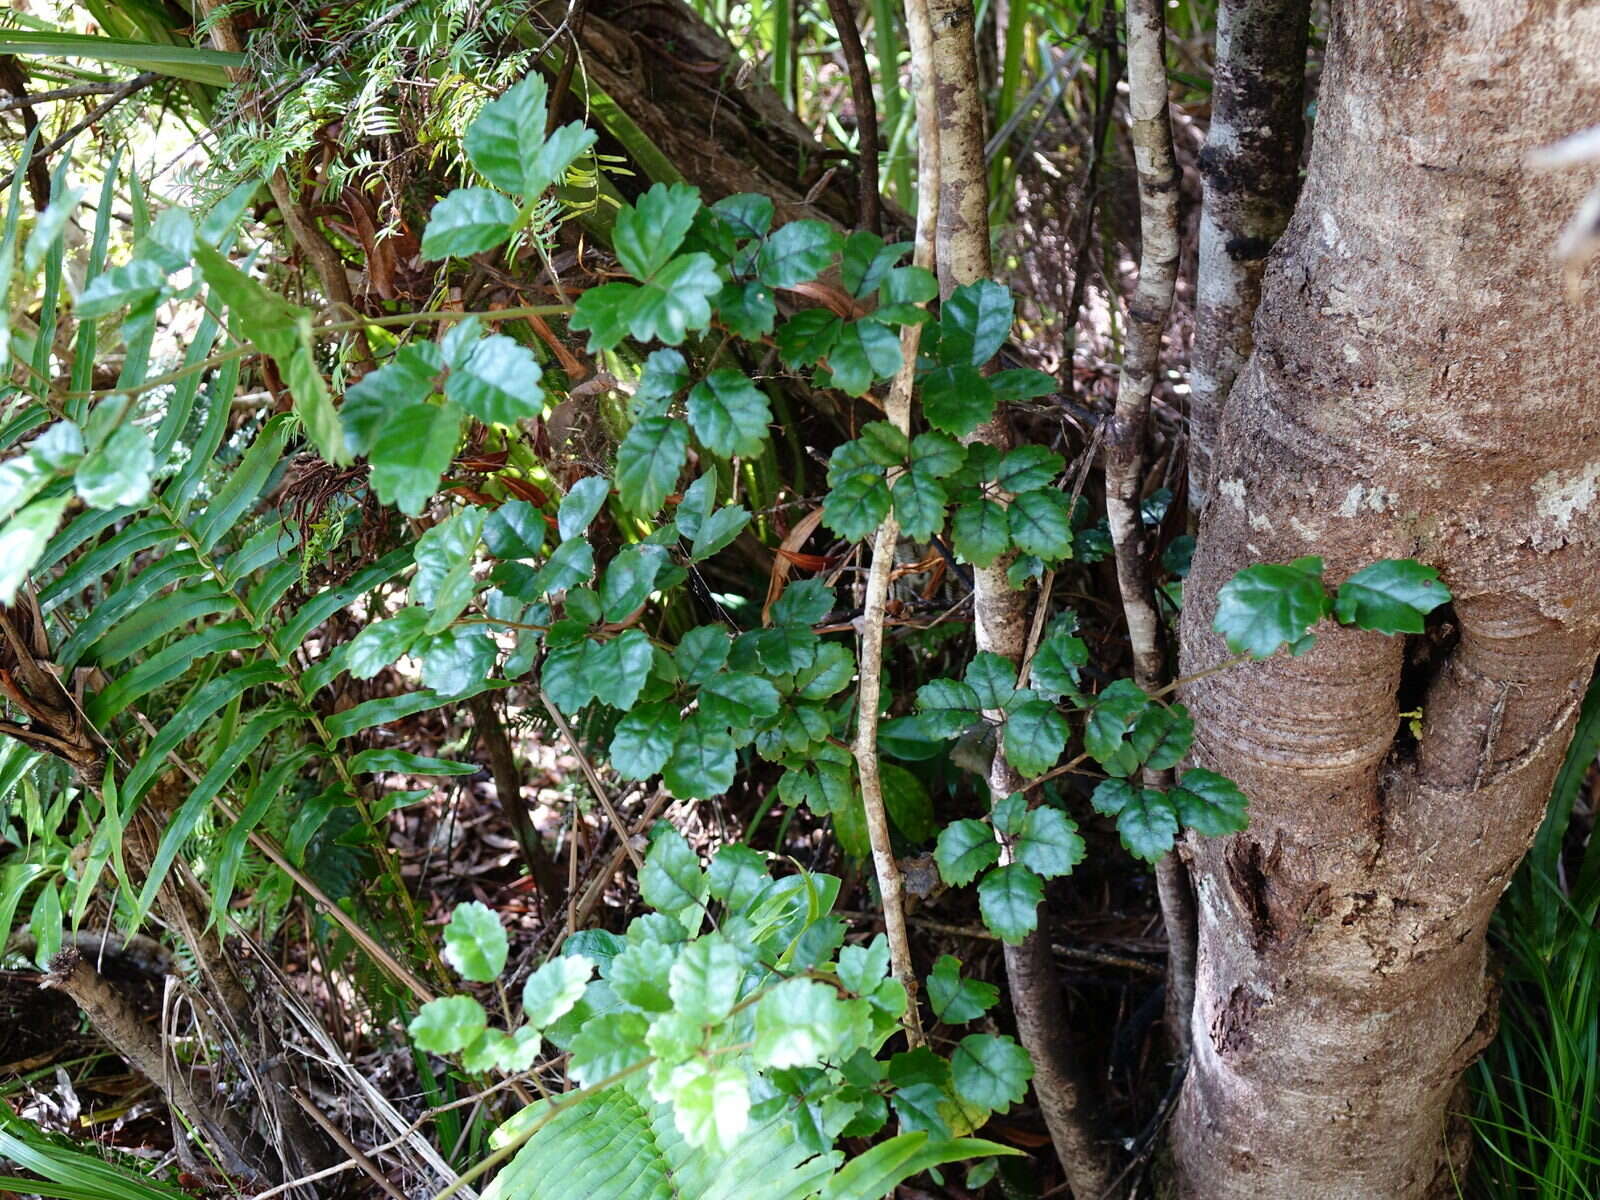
point(1418, 387)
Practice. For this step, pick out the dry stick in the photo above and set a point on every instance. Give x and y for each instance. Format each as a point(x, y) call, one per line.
point(508, 787)
point(116, 97)
point(869, 208)
point(1148, 310)
point(1000, 614)
point(345, 1144)
point(595, 785)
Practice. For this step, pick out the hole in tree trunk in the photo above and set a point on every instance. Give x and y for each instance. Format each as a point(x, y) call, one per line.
point(1425, 654)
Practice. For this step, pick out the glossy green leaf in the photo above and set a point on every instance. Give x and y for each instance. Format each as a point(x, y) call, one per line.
point(1271, 605)
point(448, 1025)
point(466, 222)
point(1148, 824)
point(1210, 804)
point(1009, 899)
point(475, 942)
point(1049, 843)
point(1392, 596)
point(990, 1071)
point(955, 1000)
point(648, 463)
point(797, 253)
point(729, 414)
point(1035, 735)
point(965, 848)
point(552, 991)
point(498, 382)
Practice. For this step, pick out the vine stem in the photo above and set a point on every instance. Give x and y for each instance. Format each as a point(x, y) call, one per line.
point(891, 883)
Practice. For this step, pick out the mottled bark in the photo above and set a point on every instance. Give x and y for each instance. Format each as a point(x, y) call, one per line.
point(1000, 612)
point(1251, 170)
point(1157, 168)
point(1418, 388)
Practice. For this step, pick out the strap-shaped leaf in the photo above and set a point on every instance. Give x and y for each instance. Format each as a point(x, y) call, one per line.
point(166, 665)
point(201, 706)
point(244, 483)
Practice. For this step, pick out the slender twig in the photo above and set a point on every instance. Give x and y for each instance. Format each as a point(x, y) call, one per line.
point(345, 1144)
point(66, 93)
point(111, 101)
point(1148, 310)
point(508, 787)
point(595, 783)
point(869, 208)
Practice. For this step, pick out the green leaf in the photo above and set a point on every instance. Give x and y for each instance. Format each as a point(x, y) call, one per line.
point(936, 456)
point(856, 507)
point(668, 306)
point(729, 414)
point(990, 1071)
point(974, 323)
point(571, 564)
point(736, 699)
point(1009, 812)
point(919, 504)
point(981, 532)
point(665, 374)
point(581, 505)
point(1055, 665)
point(1271, 605)
point(718, 531)
point(1028, 468)
point(448, 1024)
point(22, 542)
point(1009, 899)
point(507, 143)
point(404, 762)
point(748, 309)
point(1035, 736)
point(514, 530)
point(643, 740)
point(629, 580)
point(639, 975)
point(878, 1171)
point(552, 991)
point(445, 554)
point(1111, 796)
point(701, 653)
point(863, 351)
point(412, 451)
point(648, 463)
point(864, 262)
point(799, 1023)
point(1392, 596)
point(702, 761)
point(992, 678)
point(1162, 736)
point(862, 968)
point(466, 222)
point(1210, 804)
point(955, 1000)
point(829, 673)
point(1148, 825)
point(118, 473)
point(606, 1045)
point(704, 982)
point(964, 849)
point(1041, 525)
point(455, 660)
point(671, 881)
point(956, 399)
point(498, 383)
point(405, 380)
point(807, 337)
point(648, 233)
point(621, 667)
point(713, 1108)
point(907, 800)
point(803, 603)
point(1049, 844)
point(475, 942)
point(747, 214)
point(797, 253)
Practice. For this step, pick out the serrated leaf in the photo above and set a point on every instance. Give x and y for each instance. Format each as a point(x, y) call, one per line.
point(456, 659)
point(639, 975)
point(747, 309)
point(643, 740)
point(475, 942)
point(701, 653)
point(581, 505)
point(648, 232)
point(507, 132)
point(671, 880)
point(648, 463)
point(1210, 804)
point(712, 1108)
point(665, 374)
point(411, 452)
point(1148, 825)
point(1111, 796)
point(992, 678)
point(448, 1024)
point(1040, 524)
point(702, 761)
point(936, 455)
point(981, 532)
point(666, 307)
point(607, 1045)
point(1271, 605)
point(862, 968)
point(1054, 669)
point(621, 667)
point(729, 414)
point(719, 530)
point(1028, 468)
point(799, 1023)
point(738, 875)
point(807, 337)
point(797, 253)
point(468, 221)
point(1049, 844)
point(990, 1071)
point(704, 982)
point(974, 323)
point(956, 399)
point(805, 602)
point(552, 991)
point(862, 352)
point(948, 707)
point(1392, 596)
point(1009, 899)
point(856, 507)
point(1035, 735)
point(1162, 736)
point(381, 643)
point(955, 1000)
point(919, 504)
point(498, 382)
point(964, 849)
point(630, 579)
